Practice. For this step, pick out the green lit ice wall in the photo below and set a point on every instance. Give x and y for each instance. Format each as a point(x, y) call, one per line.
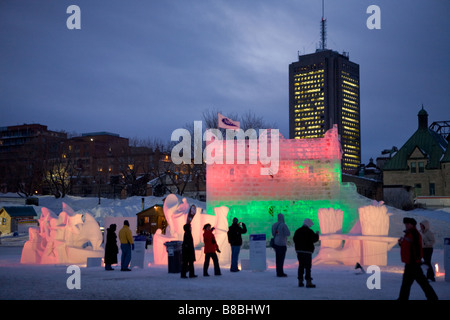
point(259, 215)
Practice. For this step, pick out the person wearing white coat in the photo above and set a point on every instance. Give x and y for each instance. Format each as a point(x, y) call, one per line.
point(428, 243)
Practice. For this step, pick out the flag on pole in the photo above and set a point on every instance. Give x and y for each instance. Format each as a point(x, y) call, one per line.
point(227, 123)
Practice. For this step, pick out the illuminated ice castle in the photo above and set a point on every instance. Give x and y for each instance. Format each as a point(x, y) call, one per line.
point(308, 178)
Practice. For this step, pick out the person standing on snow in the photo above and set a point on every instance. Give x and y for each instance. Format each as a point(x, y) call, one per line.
point(235, 232)
point(210, 250)
point(428, 243)
point(126, 245)
point(280, 232)
point(111, 248)
point(187, 253)
point(411, 254)
point(304, 239)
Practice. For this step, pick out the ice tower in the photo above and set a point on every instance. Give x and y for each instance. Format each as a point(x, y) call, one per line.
point(308, 178)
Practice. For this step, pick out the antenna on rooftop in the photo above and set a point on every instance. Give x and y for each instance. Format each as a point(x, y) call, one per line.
point(323, 30)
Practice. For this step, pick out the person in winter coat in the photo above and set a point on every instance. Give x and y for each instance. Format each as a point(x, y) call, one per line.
point(428, 243)
point(126, 245)
point(411, 254)
point(235, 232)
point(304, 239)
point(187, 253)
point(111, 248)
point(210, 250)
point(280, 232)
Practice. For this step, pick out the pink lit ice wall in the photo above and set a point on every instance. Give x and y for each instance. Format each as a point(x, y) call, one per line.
point(307, 168)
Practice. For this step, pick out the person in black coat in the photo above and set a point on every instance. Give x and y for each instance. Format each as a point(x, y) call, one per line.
point(235, 232)
point(304, 239)
point(111, 248)
point(187, 253)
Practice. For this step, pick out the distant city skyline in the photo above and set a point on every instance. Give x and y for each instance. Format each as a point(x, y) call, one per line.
point(142, 69)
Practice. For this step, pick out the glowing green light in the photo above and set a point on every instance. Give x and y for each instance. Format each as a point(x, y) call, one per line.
point(260, 215)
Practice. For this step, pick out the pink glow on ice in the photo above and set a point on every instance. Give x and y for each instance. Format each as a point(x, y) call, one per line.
point(308, 167)
point(176, 213)
point(62, 239)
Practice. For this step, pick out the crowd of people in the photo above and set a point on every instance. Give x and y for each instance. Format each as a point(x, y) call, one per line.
point(416, 249)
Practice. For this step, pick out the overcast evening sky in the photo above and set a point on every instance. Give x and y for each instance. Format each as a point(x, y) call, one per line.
point(145, 68)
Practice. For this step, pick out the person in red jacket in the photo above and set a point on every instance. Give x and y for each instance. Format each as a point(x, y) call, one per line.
point(210, 250)
point(411, 254)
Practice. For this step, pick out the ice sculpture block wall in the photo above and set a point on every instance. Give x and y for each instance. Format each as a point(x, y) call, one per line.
point(330, 221)
point(308, 178)
point(67, 238)
point(375, 222)
point(367, 243)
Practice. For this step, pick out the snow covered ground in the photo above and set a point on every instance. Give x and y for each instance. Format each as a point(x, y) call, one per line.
point(155, 283)
point(334, 282)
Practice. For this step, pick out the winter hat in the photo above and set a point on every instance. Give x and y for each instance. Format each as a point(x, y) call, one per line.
point(206, 226)
point(410, 220)
point(426, 224)
point(308, 222)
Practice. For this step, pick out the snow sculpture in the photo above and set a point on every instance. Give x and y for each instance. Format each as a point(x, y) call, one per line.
point(308, 178)
point(69, 238)
point(375, 222)
point(177, 214)
point(330, 221)
point(367, 242)
point(347, 255)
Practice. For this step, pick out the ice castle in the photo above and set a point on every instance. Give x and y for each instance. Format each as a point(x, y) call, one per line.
point(308, 178)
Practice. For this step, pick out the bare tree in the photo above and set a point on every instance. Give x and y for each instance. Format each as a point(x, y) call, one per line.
point(58, 176)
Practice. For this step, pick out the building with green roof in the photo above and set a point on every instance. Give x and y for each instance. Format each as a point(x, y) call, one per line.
point(422, 163)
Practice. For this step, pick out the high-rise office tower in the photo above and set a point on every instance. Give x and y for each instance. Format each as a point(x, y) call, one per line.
point(324, 91)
